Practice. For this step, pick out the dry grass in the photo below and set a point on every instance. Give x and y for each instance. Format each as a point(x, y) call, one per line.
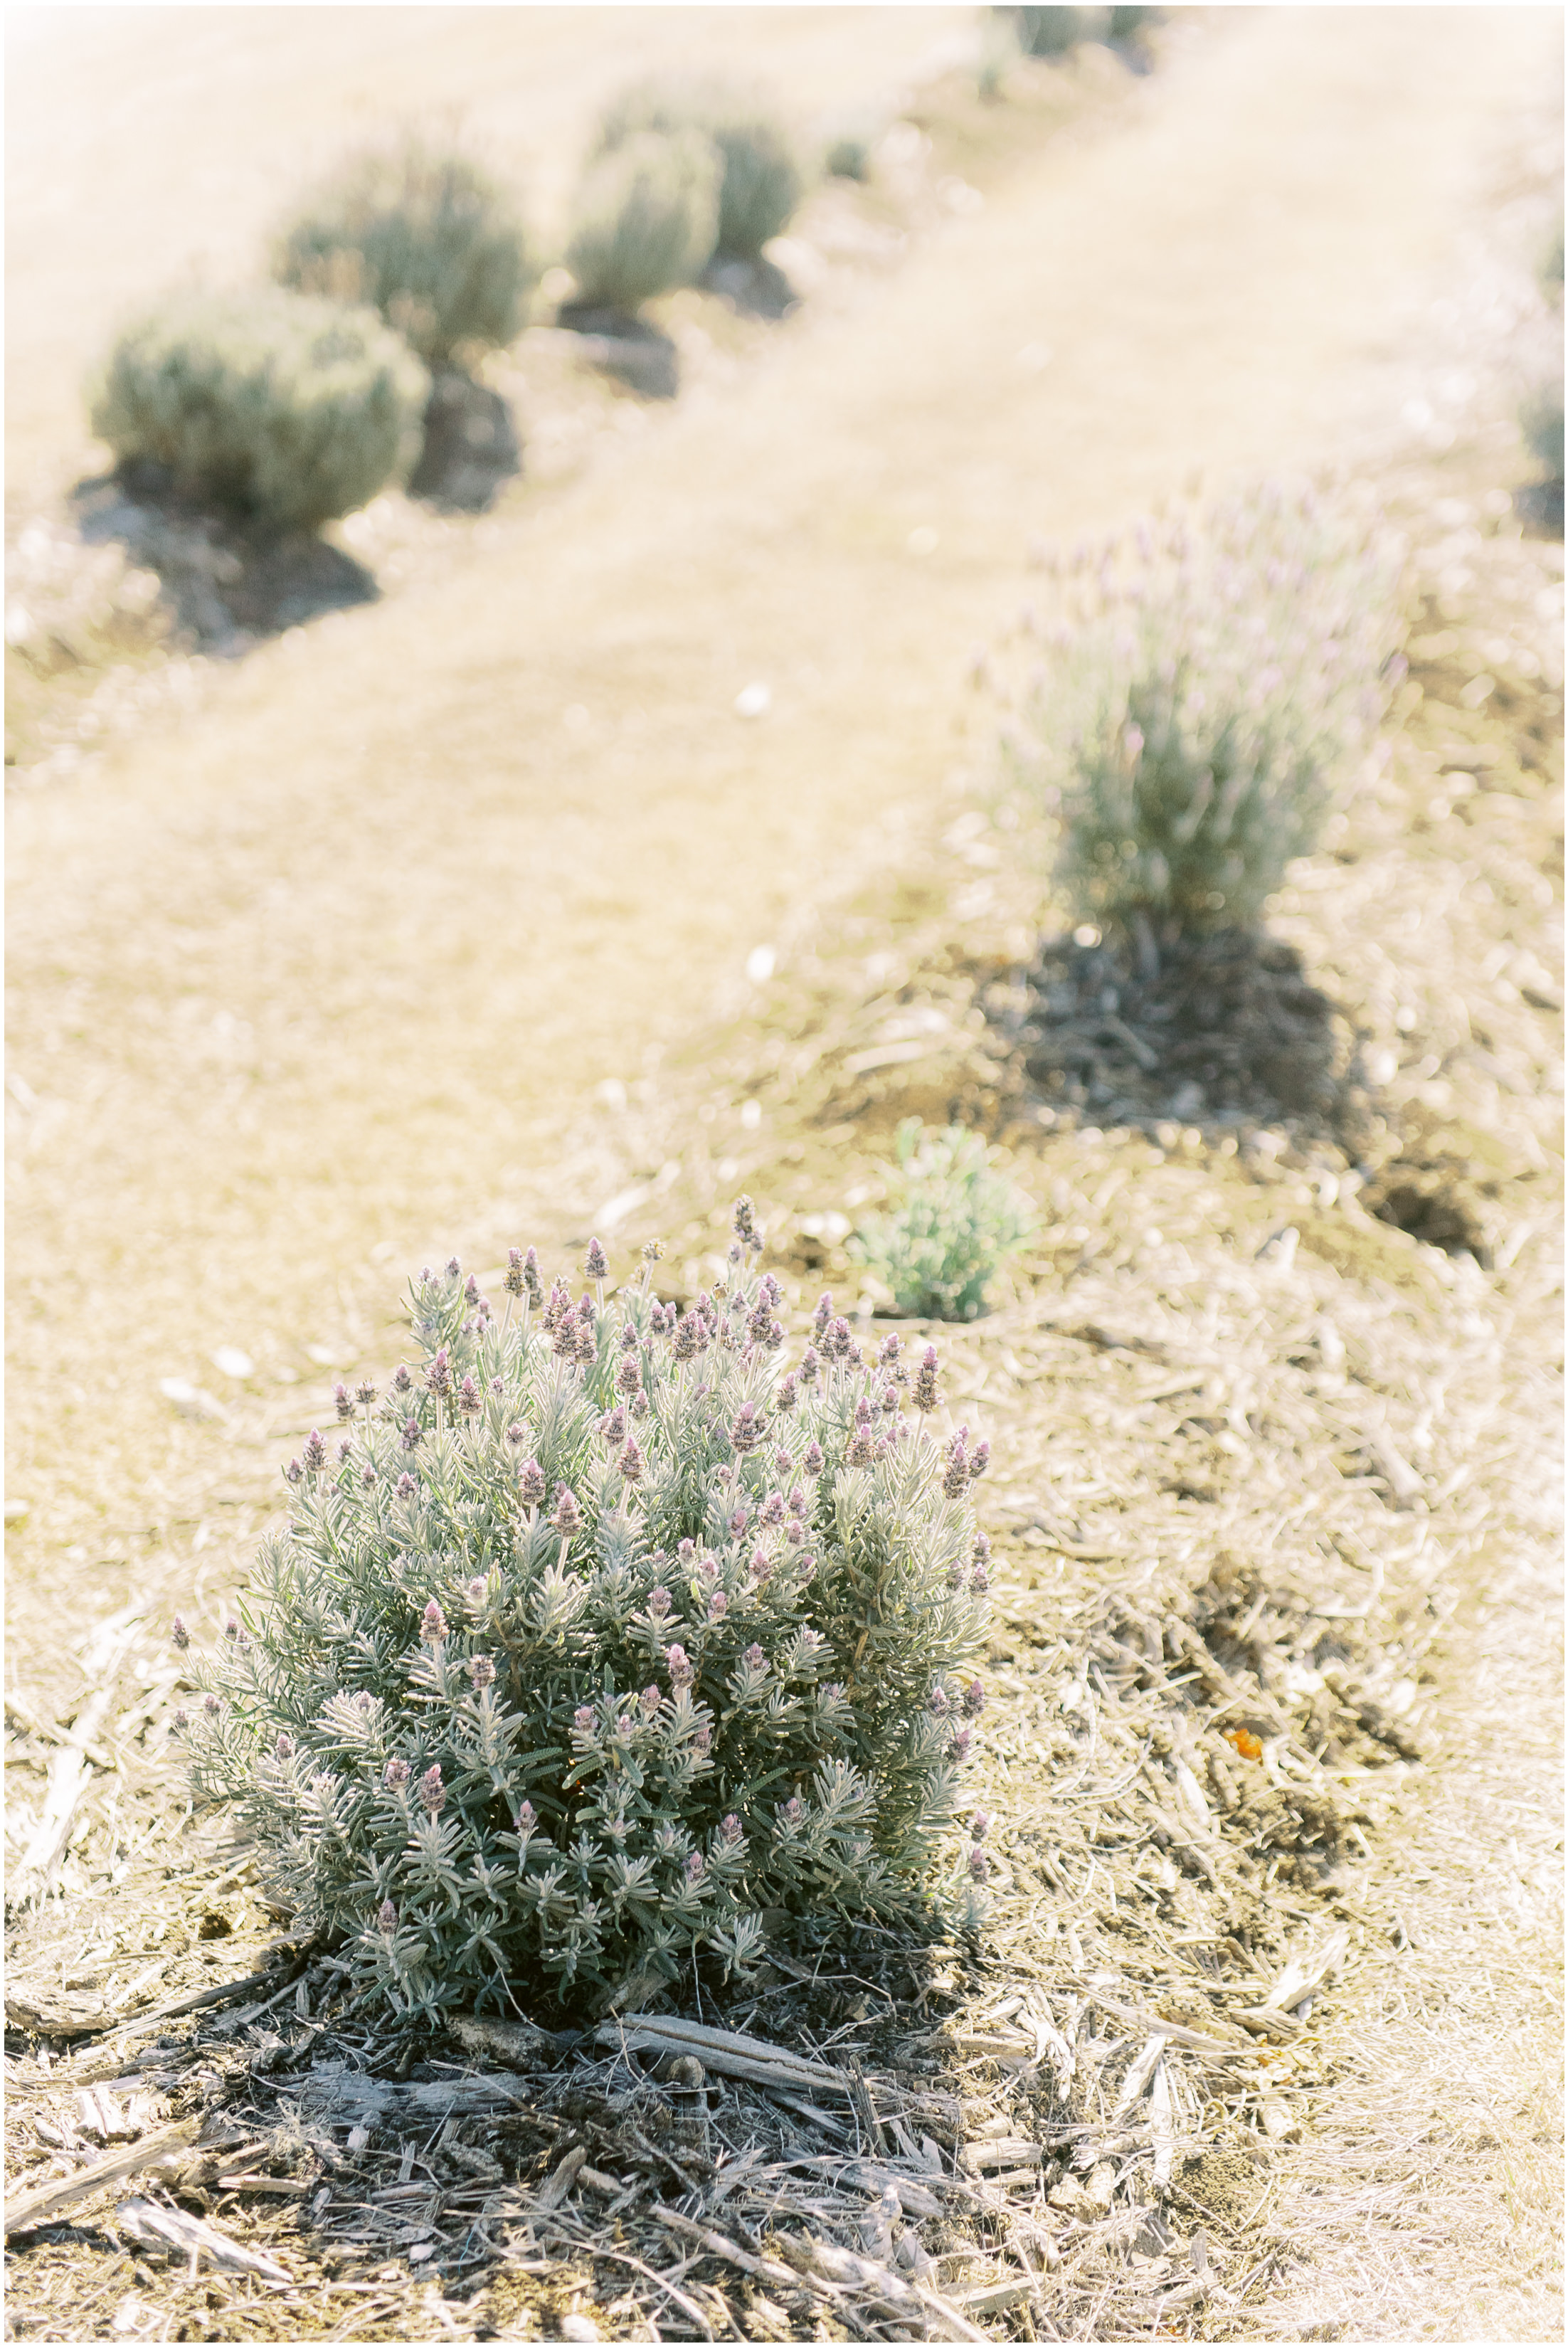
point(1299, 1489)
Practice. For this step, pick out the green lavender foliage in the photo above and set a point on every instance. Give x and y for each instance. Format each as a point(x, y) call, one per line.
point(1051, 32)
point(951, 1224)
point(597, 1638)
point(1206, 684)
point(1541, 422)
point(761, 179)
point(274, 405)
point(424, 236)
point(645, 219)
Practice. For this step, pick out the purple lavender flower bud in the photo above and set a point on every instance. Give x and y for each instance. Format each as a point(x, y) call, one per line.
point(343, 1400)
point(284, 1746)
point(695, 1866)
point(783, 1466)
point(439, 1375)
point(651, 1699)
point(482, 1671)
point(345, 1451)
point(926, 1396)
point(738, 1521)
point(395, 1773)
point(532, 1486)
point(514, 1271)
point(406, 1486)
point(979, 1865)
point(773, 1508)
point(955, 1476)
point(623, 1726)
point(701, 1736)
point(180, 1634)
point(658, 1602)
point(758, 1322)
point(630, 1462)
point(937, 1701)
point(824, 1312)
point(410, 1438)
point(471, 1402)
point(629, 1377)
point(531, 1279)
point(718, 1606)
point(212, 1706)
point(568, 1517)
point(730, 1827)
point(761, 1565)
point(432, 1625)
point(527, 1819)
point(678, 1663)
point(979, 1580)
point(889, 1353)
point(837, 1339)
point(795, 1532)
point(810, 1363)
point(478, 1589)
point(386, 1916)
point(747, 1431)
point(612, 1426)
point(587, 1344)
point(982, 1552)
point(979, 1460)
point(368, 1476)
point(973, 1699)
point(961, 1744)
point(598, 1263)
point(180, 1721)
point(745, 1224)
point(833, 1693)
point(582, 1720)
point(315, 1453)
point(293, 1473)
point(471, 1290)
point(401, 1382)
point(365, 1701)
point(792, 1811)
point(754, 1658)
point(813, 1462)
point(432, 1793)
point(861, 1451)
point(232, 1628)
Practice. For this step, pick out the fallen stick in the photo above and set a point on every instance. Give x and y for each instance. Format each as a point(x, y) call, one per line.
point(938, 2318)
point(37, 2207)
point(720, 2246)
point(725, 2051)
point(154, 2228)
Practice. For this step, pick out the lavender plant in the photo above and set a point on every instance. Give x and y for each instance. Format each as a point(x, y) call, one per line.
point(1206, 687)
point(645, 219)
point(600, 1635)
point(286, 409)
point(761, 179)
point(953, 1223)
point(427, 238)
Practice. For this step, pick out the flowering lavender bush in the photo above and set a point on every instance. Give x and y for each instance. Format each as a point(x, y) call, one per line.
point(1201, 697)
point(600, 1635)
point(952, 1225)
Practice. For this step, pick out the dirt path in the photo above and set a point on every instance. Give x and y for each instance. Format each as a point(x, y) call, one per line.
point(333, 966)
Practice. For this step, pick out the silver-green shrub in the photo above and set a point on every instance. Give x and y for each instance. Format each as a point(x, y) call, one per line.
point(761, 177)
point(1206, 686)
point(425, 237)
point(270, 405)
point(645, 219)
point(600, 1635)
point(953, 1221)
point(1052, 32)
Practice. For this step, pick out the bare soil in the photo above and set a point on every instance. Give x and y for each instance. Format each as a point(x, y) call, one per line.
point(354, 965)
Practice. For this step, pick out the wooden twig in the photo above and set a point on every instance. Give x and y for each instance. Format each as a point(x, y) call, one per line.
point(38, 2207)
point(155, 2228)
point(725, 2051)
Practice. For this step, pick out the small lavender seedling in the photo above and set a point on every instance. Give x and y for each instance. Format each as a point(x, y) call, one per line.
point(951, 1224)
point(1206, 687)
point(573, 1705)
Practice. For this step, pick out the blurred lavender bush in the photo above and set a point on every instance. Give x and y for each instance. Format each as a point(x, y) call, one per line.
point(600, 1636)
point(427, 239)
point(951, 1224)
point(283, 409)
point(1207, 684)
point(645, 219)
point(761, 177)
